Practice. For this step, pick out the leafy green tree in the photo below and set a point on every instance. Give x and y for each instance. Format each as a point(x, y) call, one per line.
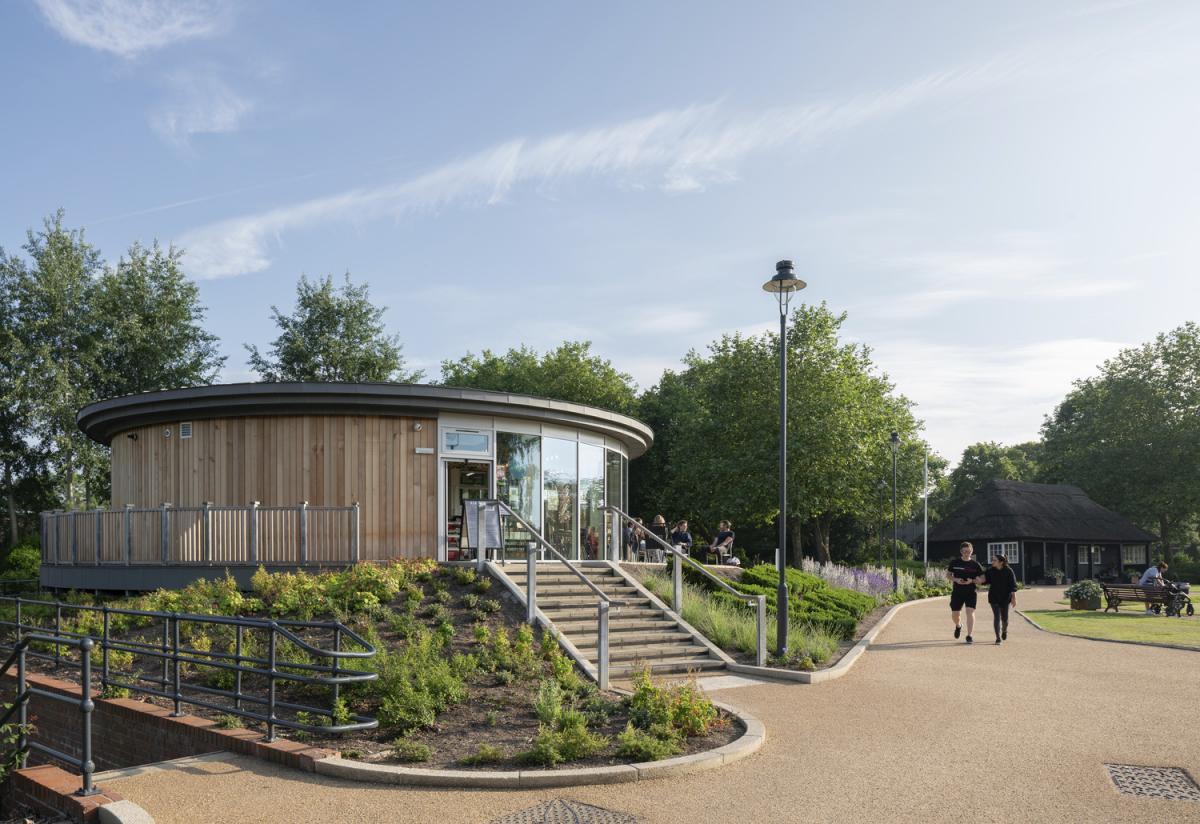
point(1130, 436)
point(716, 425)
point(568, 373)
point(988, 461)
point(334, 334)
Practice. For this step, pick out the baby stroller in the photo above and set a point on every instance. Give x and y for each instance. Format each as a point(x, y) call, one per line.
point(1182, 602)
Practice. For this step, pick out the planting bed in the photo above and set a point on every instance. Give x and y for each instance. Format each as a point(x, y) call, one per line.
point(463, 683)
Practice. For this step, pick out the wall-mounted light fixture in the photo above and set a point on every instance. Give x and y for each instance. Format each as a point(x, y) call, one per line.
point(132, 436)
point(418, 426)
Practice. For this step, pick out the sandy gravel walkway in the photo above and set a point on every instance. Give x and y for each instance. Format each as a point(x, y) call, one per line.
point(923, 729)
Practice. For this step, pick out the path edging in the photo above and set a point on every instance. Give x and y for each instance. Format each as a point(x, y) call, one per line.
point(843, 665)
point(747, 743)
point(1038, 626)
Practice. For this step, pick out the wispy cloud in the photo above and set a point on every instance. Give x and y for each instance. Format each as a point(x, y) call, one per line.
point(679, 151)
point(129, 27)
point(1002, 387)
point(201, 104)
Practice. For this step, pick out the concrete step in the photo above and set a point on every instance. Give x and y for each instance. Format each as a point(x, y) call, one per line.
point(624, 639)
point(618, 626)
point(665, 665)
point(649, 653)
point(587, 599)
point(577, 613)
point(576, 586)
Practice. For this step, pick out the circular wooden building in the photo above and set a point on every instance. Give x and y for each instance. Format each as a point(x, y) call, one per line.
point(304, 474)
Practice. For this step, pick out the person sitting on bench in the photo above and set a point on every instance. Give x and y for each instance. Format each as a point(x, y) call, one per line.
point(1152, 578)
point(682, 538)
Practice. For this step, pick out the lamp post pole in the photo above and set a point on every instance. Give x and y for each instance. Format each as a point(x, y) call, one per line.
point(879, 546)
point(895, 521)
point(782, 286)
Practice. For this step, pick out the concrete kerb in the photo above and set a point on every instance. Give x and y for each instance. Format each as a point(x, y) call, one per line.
point(1039, 627)
point(747, 743)
point(843, 665)
point(123, 812)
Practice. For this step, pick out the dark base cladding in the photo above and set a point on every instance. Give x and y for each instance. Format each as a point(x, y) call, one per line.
point(135, 578)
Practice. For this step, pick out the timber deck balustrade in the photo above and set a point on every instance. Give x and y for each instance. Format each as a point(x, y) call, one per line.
point(165, 535)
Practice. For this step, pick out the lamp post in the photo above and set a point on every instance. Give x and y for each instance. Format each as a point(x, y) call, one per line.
point(782, 286)
point(895, 521)
point(879, 547)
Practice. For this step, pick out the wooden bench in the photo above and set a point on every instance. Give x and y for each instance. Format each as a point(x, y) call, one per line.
point(1114, 594)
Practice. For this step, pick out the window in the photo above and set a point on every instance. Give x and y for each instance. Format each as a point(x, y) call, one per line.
point(519, 480)
point(1097, 553)
point(185, 429)
point(560, 495)
point(467, 441)
point(1133, 555)
point(1009, 549)
point(1083, 555)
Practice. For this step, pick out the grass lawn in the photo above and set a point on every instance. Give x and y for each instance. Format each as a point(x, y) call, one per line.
point(1121, 627)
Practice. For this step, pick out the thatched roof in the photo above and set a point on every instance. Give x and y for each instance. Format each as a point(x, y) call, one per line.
point(1010, 510)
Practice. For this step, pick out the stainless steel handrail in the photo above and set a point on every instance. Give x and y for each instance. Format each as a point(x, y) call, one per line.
point(550, 547)
point(758, 602)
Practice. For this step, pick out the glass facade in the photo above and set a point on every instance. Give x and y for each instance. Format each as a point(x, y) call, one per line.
point(614, 486)
point(560, 495)
point(591, 498)
point(519, 481)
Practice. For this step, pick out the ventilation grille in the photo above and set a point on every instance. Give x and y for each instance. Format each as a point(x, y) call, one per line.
point(1154, 782)
point(185, 429)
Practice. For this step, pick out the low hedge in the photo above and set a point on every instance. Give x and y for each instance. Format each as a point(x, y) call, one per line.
point(810, 599)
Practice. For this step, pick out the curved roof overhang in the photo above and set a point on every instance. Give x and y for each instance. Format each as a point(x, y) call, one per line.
point(103, 420)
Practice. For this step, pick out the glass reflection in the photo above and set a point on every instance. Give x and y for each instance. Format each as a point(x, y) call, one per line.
point(591, 498)
point(519, 482)
point(560, 495)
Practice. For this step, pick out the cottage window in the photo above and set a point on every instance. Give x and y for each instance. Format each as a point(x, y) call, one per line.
point(471, 441)
point(1133, 555)
point(1009, 549)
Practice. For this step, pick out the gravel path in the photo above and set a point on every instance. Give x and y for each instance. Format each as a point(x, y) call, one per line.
point(923, 729)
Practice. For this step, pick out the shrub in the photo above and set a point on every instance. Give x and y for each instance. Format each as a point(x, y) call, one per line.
point(549, 702)
point(568, 740)
point(483, 585)
point(227, 721)
point(409, 751)
point(1084, 591)
point(418, 682)
point(681, 709)
point(484, 754)
point(647, 746)
point(470, 600)
point(464, 575)
point(490, 605)
point(23, 561)
point(442, 596)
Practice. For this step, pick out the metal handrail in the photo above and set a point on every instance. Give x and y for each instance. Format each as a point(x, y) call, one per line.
point(550, 547)
point(173, 654)
point(758, 602)
point(24, 692)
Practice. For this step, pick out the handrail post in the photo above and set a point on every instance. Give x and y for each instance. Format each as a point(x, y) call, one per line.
point(164, 521)
point(86, 766)
point(337, 647)
point(760, 652)
point(99, 535)
point(178, 694)
point(355, 549)
point(677, 582)
point(128, 534)
point(23, 709)
point(18, 619)
point(271, 652)
point(302, 515)
point(104, 651)
point(253, 519)
point(237, 652)
point(602, 647)
point(531, 585)
point(207, 528)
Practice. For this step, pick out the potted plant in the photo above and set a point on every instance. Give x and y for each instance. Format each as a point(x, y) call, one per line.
point(1085, 595)
point(1058, 575)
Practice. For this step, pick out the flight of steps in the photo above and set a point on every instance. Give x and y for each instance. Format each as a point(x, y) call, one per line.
point(640, 633)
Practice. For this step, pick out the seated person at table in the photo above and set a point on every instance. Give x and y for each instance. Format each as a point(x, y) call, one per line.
point(722, 545)
point(681, 537)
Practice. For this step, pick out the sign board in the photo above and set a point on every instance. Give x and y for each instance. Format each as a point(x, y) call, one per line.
point(491, 525)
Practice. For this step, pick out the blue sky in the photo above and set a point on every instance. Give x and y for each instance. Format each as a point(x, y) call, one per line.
point(1000, 195)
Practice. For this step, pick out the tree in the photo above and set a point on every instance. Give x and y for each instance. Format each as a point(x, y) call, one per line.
point(988, 461)
point(1130, 436)
point(75, 332)
point(334, 334)
point(716, 425)
point(569, 373)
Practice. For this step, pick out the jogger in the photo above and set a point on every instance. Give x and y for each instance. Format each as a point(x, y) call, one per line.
point(965, 573)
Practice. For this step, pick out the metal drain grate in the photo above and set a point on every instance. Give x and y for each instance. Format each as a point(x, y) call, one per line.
point(1154, 782)
point(561, 811)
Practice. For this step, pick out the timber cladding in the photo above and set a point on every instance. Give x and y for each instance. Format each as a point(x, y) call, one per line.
point(326, 460)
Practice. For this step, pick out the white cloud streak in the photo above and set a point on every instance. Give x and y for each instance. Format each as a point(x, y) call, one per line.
point(202, 104)
point(130, 27)
point(687, 150)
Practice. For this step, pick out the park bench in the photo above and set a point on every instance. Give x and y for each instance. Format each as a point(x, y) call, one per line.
point(1171, 602)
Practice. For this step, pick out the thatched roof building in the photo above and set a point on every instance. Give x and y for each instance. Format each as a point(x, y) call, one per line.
point(1043, 527)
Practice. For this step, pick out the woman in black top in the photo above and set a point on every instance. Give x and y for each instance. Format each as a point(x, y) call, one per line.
point(1002, 593)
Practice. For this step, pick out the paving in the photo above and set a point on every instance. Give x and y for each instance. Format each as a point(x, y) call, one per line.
point(923, 729)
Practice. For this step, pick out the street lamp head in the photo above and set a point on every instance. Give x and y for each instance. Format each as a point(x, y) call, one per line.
point(785, 279)
point(895, 439)
point(882, 485)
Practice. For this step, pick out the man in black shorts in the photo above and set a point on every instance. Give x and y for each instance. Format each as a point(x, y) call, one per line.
point(965, 573)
